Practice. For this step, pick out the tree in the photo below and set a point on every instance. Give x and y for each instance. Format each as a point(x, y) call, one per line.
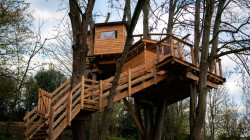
point(198, 120)
point(108, 110)
point(79, 23)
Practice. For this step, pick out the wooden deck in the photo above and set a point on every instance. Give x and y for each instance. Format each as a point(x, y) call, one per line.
point(167, 77)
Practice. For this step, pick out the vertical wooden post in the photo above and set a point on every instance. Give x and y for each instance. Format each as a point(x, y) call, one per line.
point(215, 67)
point(192, 54)
point(155, 72)
point(82, 92)
point(100, 95)
point(171, 44)
point(180, 50)
point(69, 106)
point(129, 82)
point(140, 37)
point(51, 123)
point(158, 53)
point(220, 68)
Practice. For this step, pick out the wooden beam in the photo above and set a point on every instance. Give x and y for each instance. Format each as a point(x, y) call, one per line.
point(108, 62)
point(196, 78)
point(133, 116)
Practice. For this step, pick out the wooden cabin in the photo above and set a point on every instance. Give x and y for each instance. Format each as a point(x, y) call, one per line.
point(109, 38)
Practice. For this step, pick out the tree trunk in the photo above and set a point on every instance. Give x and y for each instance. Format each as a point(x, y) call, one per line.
point(109, 108)
point(197, 33)
point(171, 17)
point(138, 115)
point(202, 87)
point(159, 121)
point(193, 101)
point(127, 12)
point(216, 33)
point(145, 19)
point(79, 22)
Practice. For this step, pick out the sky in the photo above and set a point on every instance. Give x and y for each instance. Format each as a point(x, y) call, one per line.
point(48, 11)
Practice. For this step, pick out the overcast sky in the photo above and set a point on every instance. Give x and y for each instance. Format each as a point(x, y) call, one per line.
point(49, 11)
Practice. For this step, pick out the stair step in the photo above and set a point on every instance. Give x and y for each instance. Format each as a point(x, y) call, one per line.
point(39, 138)
point(40, 133)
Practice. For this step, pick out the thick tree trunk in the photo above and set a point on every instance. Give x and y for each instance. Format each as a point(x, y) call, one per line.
point(109, 108)
point(171, 17)
point(159, 121)
point(197, 33)
point(202, 87)
point(79, 22)
point(193, 102)
point(146, 123)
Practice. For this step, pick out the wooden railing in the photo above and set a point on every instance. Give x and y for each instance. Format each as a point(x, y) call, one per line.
point(178, 48)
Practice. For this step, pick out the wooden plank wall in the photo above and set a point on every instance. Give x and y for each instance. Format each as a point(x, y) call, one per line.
point(88, 43)
point(109, 46)
point(150, 56)
point(137, 60)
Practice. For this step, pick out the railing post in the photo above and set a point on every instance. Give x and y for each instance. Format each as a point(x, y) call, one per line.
point(69, 108)
point(158, 52)
point(82, 91)
point(129, 82)
point(51, 123)
point(215, 67)
point(220, 68)
point(155, 71)
point(100, 95)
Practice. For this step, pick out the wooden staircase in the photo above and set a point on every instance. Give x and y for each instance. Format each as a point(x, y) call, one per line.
point(56, 110)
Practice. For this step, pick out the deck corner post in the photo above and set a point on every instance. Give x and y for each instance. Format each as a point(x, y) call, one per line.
point(51, 121)
point(129, 82)
point(82, 91)
point(100, 95)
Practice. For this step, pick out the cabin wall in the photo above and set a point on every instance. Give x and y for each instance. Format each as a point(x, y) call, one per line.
point(109, 46)
point(139, 59)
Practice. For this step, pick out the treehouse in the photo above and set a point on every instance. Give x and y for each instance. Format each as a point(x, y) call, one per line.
point(159, 69)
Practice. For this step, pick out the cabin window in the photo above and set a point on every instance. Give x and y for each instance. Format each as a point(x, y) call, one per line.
point(108, 34)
